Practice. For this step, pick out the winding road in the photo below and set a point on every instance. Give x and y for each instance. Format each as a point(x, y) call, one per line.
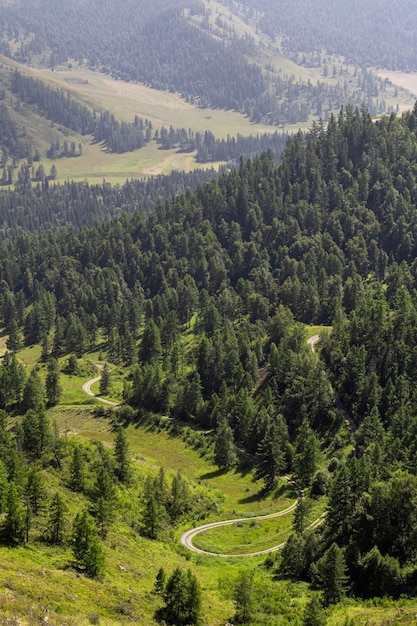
point(87, 388)
point(188, 536)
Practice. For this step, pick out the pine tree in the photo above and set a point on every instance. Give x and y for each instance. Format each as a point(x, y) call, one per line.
point(160, 582)
point(121, 453)
point(332, 578)
point(224, 447)
point(293, 562)
point(150, 346)
point(36, 432)
point(14, 340)
point(87, 550)
point(77, 470)
point(307, 453)
point(104, 499)
point(271, 457)
point(57, 521)
point(13, 529)
point(244, 597)
point(180, 496)
point(53, 388)
point(33, 397)
point(314, 614)
point(182, 599)
point(105, 380)
point(35, 490)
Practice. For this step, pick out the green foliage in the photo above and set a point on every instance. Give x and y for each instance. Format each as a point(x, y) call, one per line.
point(105, 380)
point(53, 388)
point(244, 597)
point(307, 454)
point(314, 614)
point(13, 529)
point(33, 396)
point(183, 602)
point(86, 546)
point(57, 520)
point(77, 475)
point(271, 457)
point(36, 432)
point(330, 575)
point(122, 456)
point(224, 447)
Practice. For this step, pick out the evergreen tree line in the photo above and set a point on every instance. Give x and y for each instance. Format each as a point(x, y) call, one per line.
point(40, 207)
point(30, 512)
point(13, 139)
point(122, 136)
point(61, 108)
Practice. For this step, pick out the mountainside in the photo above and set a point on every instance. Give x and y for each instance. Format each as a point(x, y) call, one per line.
point(200, 307)
point(375, 32)
point(214, 55)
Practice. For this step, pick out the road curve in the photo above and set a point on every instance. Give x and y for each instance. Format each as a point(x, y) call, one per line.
point(312, 342)
point(188, 536)
point(89, 383)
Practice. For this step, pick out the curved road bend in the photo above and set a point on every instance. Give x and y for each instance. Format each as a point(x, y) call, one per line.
point(87, 389)
point(188, 536)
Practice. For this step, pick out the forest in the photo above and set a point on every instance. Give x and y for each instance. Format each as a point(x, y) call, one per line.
point(203, 305)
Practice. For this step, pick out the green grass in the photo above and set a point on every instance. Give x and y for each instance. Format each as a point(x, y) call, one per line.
point(316, 330)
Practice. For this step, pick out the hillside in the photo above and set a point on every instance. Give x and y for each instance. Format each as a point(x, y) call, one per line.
point(196, 48)
point(203, 309)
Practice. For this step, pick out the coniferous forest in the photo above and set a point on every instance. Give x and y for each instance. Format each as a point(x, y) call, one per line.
point(243, 265)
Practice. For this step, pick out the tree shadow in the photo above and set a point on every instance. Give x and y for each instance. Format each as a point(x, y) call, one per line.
point(254, 497)
point(213, 474)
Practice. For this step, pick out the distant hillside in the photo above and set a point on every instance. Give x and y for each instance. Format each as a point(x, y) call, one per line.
point(213, 55)
point(375, 32)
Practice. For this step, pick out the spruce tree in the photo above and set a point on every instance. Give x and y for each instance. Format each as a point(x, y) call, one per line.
point(57, 520)
point(87, 550)
point(77, 470)
point(13, 529)
point(224, 447)
point(182, 599)
point(105, 380)
point(331, 577)
point(271, 457)
point(244, 597)
point(314, 614)
point(33, 397)
point(121, 453)
point(53, 388)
